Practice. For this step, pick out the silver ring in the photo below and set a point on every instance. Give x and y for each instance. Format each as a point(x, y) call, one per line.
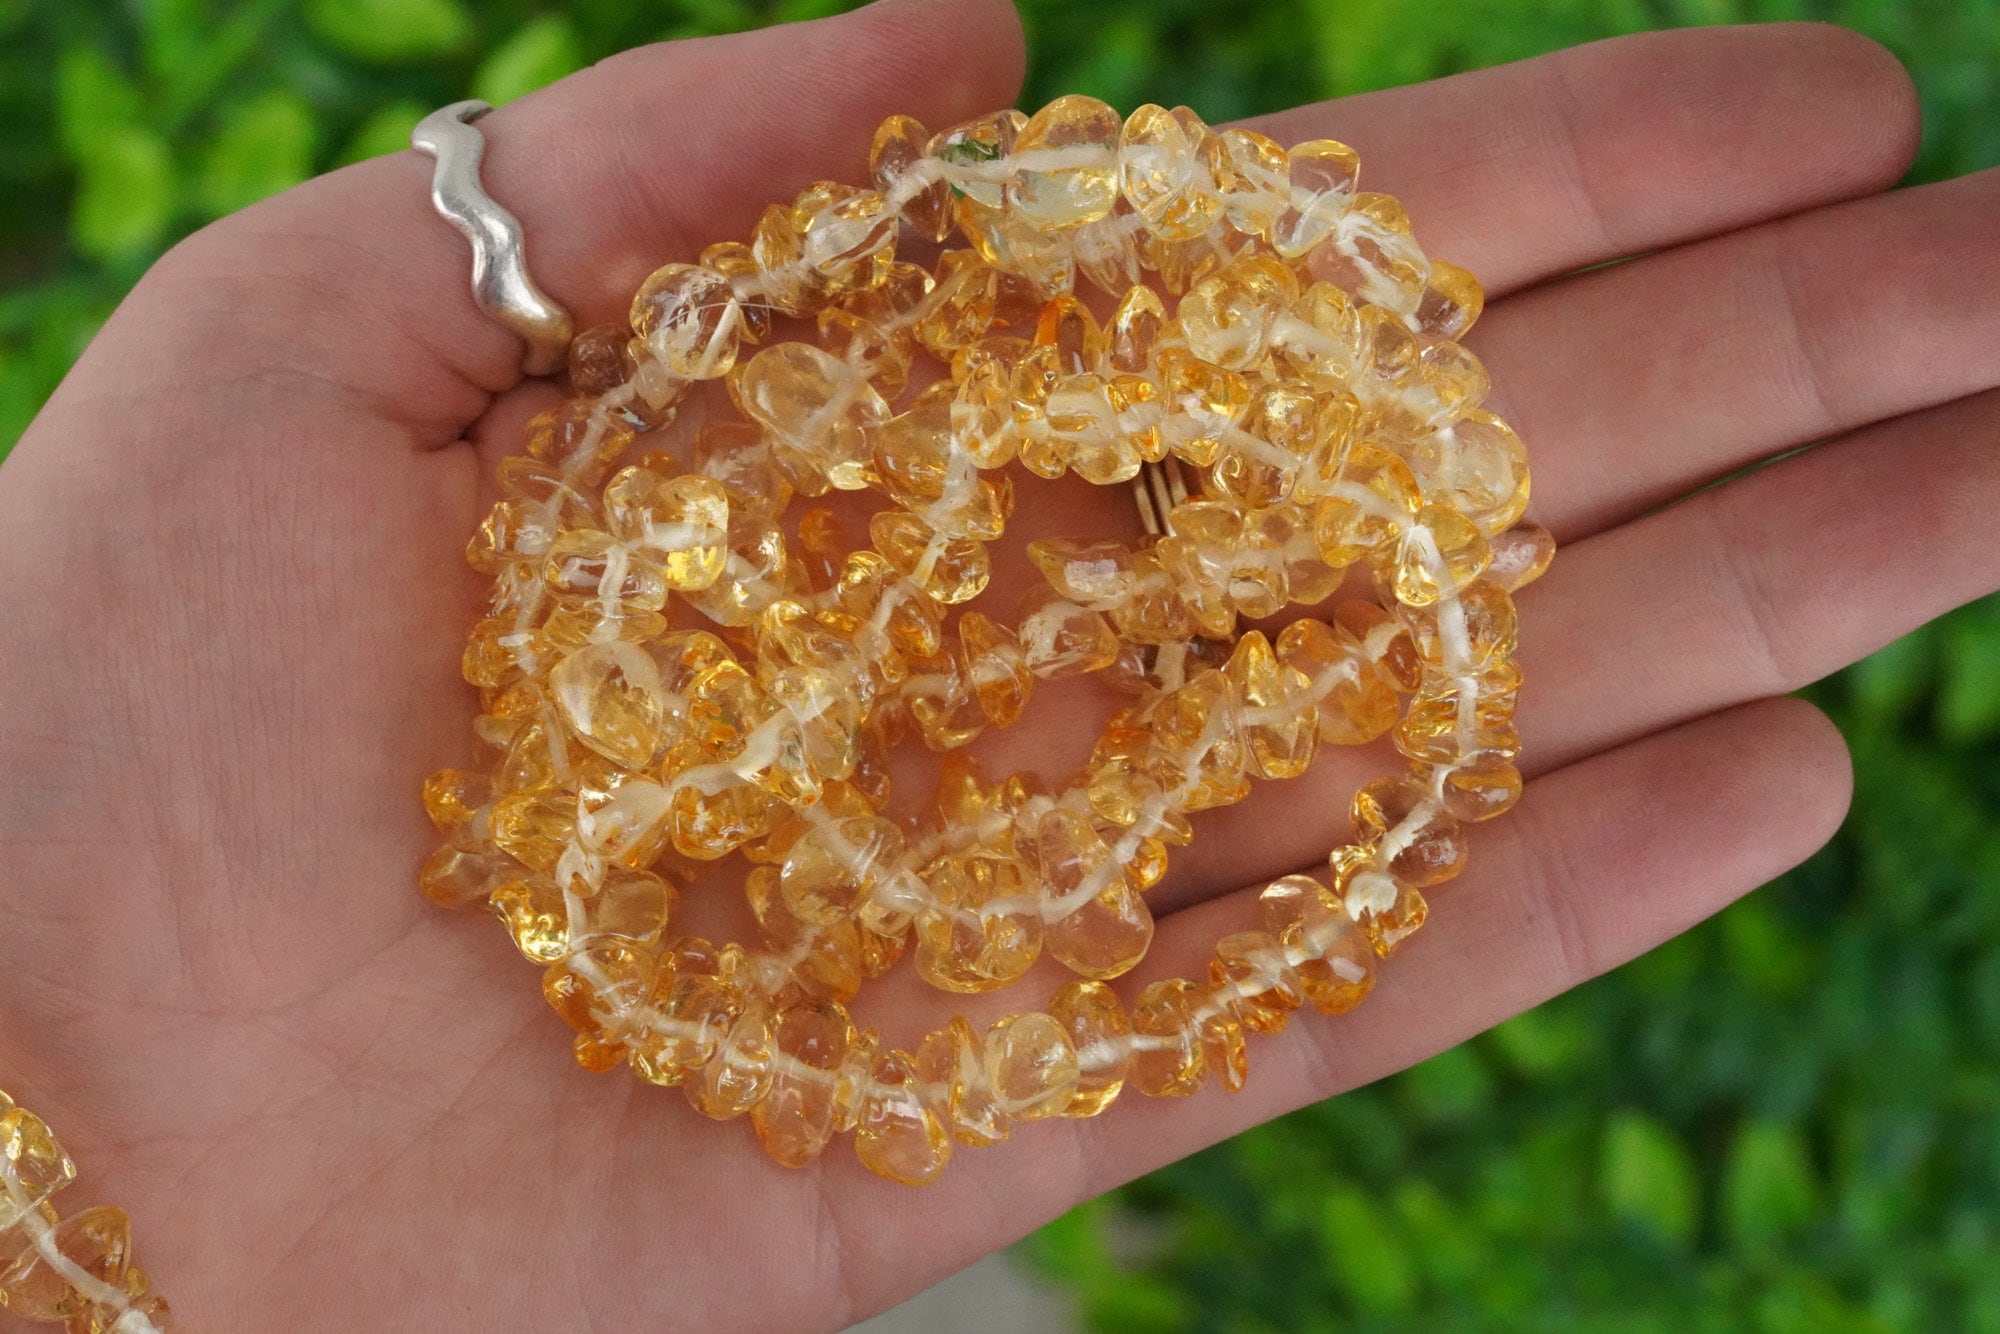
point(500, 281)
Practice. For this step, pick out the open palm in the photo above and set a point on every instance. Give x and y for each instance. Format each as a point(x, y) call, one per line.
point(230, 631)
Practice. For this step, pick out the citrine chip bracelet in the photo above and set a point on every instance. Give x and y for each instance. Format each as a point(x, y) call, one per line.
point(688, 654)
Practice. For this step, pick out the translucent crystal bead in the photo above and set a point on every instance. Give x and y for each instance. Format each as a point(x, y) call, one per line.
point(754, 572)
point(1388, 912)
point(1322, 180)
point(975, 155)
point(1134, 329)
point(1355, 702)
point(689, 1013)
point(1368, 508)
point(1097, 1027)
point(949, 570)
point(1097, 924)
point(1440, 554)
point(1281, 432)
point(941, 698)
point(1197, 727)
point(821, 413)
point(513, 530)
point(836, 865)
point(690, 320)
point(1451, 303)
point(1478, 466)
point(897, 148)
point(1467, 632)
point(1257, 187)
point(896, 1134)
point(1065, 164)
point(453, 799)
point(611, 698)
point(97, 1241)
point(1482, 788)
point(738, 1075)
point(629, 906)
point(888, 608)
point(584, 564)
point(1095, 575)
point(1030, 1066)
point(1373, 254)
point(847, 235)
point(1167, 1056)
point(959, 310)
point(1452, 719)
point(601, 991)
point(1061, 638)
point(681, 522)
point(951, 1064)
point(534, 826)
point(580, 437)
point(983, 926)
point(738, 455)
point(1382, 639)
point(1203, 402)
point(1170, 167)
point(781, 276)
point(1228, 317)
point(1252, 978)
point(598, 359)
point(795, 1119)
point(709, 820)
point(1224, 1044)
point(827, 709)
point(1106, 251)
point(454, 878)
point(34, 1166)
point(1280, 718)
point(1325, 948)
point(1521, 555)
point(1155, 613)
point(1415, 835)
point(999, 667)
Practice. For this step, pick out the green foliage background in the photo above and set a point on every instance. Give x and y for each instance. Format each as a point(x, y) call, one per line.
point(1787, 1120)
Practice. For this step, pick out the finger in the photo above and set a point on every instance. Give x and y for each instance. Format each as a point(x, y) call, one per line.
point(1642, 381)
point(640, 159)
point(1595, 867)
point(1765, 584)
point(1606, 150)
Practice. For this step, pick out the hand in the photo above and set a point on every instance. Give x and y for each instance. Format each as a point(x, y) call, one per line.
point(236, 604)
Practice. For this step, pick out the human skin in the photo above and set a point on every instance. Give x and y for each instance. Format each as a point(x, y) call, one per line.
point(230, 634)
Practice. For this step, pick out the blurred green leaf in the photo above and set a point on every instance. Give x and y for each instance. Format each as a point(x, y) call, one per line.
point(391, 30)
point(1647, 1176)
point(1072, 1247)
point(1544, 1041)
point(1761, 949)
point(1969, 706)
point(125, 194)
point(94, 102)
point(265, 145)
point(1890, 681)
point(1450, 1086)
point(1769, 1189)
point(1136, 1304)
point(539, 54)
point(1365, 1253)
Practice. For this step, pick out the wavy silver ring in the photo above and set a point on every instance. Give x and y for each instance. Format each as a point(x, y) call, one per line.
point(500, 281)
